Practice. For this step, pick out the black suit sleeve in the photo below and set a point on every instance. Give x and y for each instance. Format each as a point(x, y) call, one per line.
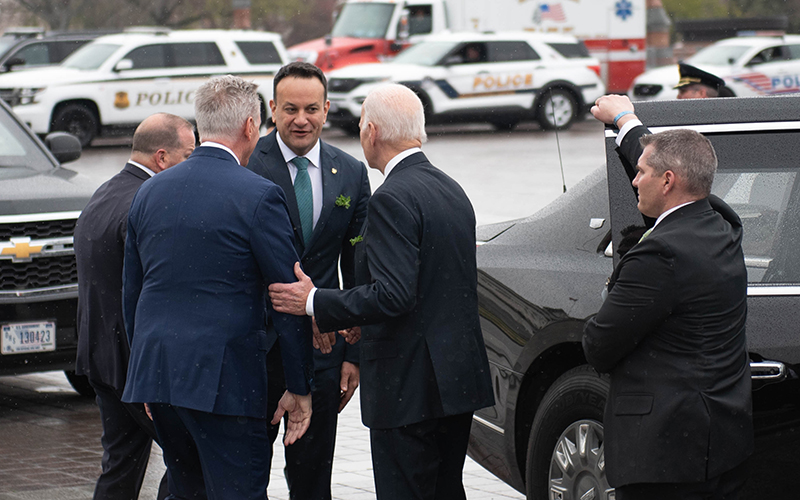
point(630, 149)
point(392, 245)
point(132, 277)
point(634, 307)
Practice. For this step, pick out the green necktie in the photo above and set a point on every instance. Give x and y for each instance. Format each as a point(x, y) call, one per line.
point(305, 198)
point(646, 234)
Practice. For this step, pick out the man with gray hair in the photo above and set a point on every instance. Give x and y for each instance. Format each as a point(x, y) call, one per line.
point(161, 141)
point(671, 332)
point(204, 240)
point(423, 363)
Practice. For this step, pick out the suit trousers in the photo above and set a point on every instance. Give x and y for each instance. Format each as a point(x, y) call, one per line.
point(727, 486)
point(421, 461)
point(309, 461)
point(209, 456)
point(127, 436)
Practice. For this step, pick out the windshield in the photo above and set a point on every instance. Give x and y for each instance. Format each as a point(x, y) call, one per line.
point(425, 53)
point(363, 20)
point(6, 42)
point(20, 156)
point(719, 55)
point(90, 56)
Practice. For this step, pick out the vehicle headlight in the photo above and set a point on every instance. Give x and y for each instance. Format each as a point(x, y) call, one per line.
point(19, 97)
point(308, 56)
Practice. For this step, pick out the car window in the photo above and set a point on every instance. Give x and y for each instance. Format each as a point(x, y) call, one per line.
point(470, 53)
point(570, 50)
point(183, 55)
point(719, 55)
point(148, 56)
point(425, 53)
point(61, 49)
point(260, 52)
point(511, 51)
point(771, 54)
point(6, 42)
point(34, 54)
point(794, 51)
point(420, 20)
point(90, 56)
point(19, 155)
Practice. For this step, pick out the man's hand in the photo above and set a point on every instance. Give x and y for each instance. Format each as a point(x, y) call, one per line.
point(607, 107)
point(291, 298)
point(299, 408)
point(322, 341)
point(147, 410)
point(348, 383)
point(351, 335)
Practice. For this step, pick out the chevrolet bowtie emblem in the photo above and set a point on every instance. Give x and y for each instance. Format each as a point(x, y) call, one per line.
point(24, 249)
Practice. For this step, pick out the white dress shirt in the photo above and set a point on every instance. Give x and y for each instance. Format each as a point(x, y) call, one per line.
point(314, 172)
point(222, 147)
point(142, 167)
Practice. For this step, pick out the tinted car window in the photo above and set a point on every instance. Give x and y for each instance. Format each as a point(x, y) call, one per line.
point(194, 54)
point(420, 20)
point(511, 51)
point(771, 54)
point(19, 155)
point(260, 52)
point(148, 56)
point(570, 50)
point(34, 54)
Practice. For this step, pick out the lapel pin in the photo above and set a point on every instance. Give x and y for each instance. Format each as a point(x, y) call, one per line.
point(333, 170)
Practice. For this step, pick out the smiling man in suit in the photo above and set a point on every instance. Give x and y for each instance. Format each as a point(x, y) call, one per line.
point(422, 354)
point(327, 192)
point(204, 238)
point(671, 332)
point(159, 142)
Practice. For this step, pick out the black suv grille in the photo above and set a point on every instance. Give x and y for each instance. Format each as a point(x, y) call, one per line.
point(10, 96)
point(42, 271)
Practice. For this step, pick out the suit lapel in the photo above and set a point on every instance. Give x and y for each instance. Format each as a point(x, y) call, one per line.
point(277, 171)
point(331, 189)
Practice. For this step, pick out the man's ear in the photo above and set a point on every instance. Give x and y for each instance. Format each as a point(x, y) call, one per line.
point(669, 181)
point(372, 133)
point(160, 158)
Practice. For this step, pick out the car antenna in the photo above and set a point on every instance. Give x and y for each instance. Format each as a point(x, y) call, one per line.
point(558, 145)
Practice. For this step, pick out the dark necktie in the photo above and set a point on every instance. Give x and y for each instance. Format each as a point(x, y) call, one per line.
point(304, 196)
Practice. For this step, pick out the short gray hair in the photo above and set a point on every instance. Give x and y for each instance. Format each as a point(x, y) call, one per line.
point(687, 153)
point(222, 104)
point(397, 112)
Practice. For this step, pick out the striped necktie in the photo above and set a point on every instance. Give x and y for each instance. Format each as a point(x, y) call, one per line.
point(305, 198)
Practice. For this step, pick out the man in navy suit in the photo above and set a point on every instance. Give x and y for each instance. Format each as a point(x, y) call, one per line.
point(204, 240)
point(423, 360)
point(339, 189)
point(159, 142)
point(671, 333)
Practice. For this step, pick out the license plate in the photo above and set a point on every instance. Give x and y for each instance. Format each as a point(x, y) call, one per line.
point(20, 338)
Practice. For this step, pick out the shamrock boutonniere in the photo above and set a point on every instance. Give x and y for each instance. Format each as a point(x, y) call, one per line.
point(357, 239)
point(343, 201)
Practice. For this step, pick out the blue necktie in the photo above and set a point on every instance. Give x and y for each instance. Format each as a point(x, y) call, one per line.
point(305, 198)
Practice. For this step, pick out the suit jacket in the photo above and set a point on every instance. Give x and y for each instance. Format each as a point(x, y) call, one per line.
point(342, 175)
point(422, 353)
point(99, 249)
point(672, 335)
point(205, 238)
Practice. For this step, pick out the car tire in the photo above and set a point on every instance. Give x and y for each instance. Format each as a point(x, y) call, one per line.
point(556, 109)
point(80, 383)
point(78, 120)
point(565, 454)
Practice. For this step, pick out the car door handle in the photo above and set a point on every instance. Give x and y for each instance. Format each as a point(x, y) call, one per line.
point(772, 371)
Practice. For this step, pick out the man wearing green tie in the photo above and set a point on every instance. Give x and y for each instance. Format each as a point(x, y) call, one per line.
point(326, 192)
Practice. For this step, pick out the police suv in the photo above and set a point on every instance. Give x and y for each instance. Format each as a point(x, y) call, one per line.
point(750, 66)
point(500, 78)
point(118, 80)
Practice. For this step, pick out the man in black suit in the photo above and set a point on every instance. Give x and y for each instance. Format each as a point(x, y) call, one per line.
point(671, 332)
point(423, 360)
point(339, 191)
point(159, 142)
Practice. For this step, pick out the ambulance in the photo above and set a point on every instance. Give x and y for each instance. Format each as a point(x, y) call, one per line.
point(614, 31)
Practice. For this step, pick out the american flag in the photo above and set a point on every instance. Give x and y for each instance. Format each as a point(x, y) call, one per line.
point(552, 11)
point(759, 82)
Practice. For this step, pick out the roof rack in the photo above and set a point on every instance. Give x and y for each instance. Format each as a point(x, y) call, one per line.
point(148, 30)
point(24, 32)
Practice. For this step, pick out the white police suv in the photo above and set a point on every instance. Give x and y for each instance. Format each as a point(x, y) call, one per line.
point(499, 78)
point(118, 80)
point(750, 66)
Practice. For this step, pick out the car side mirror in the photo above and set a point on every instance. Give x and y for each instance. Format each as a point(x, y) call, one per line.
point(123, 64)
point(396, 46)
point(14, 61)
point(454, 59)
point(65, 147)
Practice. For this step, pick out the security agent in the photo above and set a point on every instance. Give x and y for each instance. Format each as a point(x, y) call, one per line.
point(698, 84)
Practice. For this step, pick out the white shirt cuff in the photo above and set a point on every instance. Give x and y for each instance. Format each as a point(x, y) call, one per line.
point(626, 128)
point(310, 302)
